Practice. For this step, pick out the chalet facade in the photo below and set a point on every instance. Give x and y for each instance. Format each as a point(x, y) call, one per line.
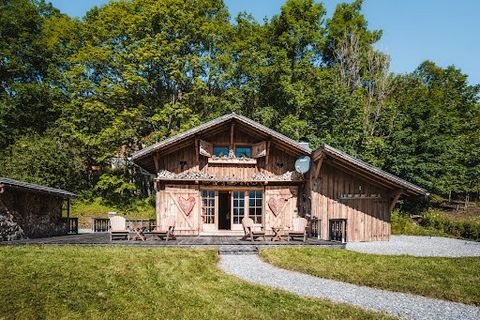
point(209, 178)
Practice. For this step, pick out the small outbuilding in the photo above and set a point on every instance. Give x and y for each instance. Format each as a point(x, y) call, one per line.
point(29, 210)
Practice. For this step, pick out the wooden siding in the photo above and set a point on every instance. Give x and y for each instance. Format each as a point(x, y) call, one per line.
point(279, 160)
point(290, 210)
point(168, 208)
point(337, 194)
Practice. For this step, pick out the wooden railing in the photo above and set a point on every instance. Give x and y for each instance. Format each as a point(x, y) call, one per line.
point(135, 223)
point(72, 225)
point(338, 230)
point(103, 224)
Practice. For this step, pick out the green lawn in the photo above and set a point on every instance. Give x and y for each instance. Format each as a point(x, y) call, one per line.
point(455, 279)
point(54, 282)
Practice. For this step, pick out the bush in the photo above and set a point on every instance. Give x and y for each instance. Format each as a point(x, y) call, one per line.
point(458, 226)
point(403, 224)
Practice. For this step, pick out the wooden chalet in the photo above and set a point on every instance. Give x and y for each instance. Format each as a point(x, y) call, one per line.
point(210, 177)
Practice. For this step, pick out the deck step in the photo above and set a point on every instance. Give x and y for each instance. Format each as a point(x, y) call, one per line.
point(243, 249)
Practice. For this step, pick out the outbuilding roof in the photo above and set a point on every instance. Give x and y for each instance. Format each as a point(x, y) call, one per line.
point(367, 169)
point(10, 183)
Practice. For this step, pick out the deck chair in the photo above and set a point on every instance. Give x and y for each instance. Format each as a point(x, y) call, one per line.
point(167, 232)
point(249, 230)
point(298, 229)
point(118, 228)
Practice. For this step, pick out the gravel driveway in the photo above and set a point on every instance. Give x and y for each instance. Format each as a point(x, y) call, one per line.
point(407, 306)
point(419, 246)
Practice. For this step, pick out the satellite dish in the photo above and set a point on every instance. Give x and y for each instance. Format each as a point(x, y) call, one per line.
point(302, 165)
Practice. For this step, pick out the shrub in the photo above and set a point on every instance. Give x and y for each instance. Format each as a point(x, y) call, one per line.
point(458, 226)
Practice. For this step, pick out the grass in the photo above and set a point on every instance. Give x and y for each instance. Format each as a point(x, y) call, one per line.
point(85, 210)
point(454, 279)
point(55, 282)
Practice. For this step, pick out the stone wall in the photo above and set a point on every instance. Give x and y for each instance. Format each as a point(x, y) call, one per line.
point(29, 214)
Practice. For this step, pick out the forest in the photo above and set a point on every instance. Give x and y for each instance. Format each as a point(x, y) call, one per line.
point(78, 96)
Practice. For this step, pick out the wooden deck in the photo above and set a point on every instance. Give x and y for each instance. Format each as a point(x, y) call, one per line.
point(103, 239)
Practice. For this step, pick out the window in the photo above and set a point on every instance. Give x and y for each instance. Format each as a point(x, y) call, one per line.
point(238, 206)
point(220, 151)
point(208, 207)
point(255, 206)
point(241, 152)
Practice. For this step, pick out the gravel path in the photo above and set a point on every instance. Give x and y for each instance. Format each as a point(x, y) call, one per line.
point(419, 246)
point(408, 306)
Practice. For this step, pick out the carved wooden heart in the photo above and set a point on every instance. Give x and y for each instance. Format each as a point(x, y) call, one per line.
point(186, 204)
point(277, 205)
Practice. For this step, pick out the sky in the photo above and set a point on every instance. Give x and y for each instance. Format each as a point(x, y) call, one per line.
point(443, 31)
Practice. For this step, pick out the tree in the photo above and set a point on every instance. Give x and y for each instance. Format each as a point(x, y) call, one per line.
point(44, 160)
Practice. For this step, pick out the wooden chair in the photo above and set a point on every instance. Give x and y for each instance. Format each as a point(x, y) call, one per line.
point(298, 229)
point(250, 232)
point(118, 229)
point(167, 232)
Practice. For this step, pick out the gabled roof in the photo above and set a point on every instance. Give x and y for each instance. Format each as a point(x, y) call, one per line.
point(6, 182)
point(366, 169)
point(253, 125)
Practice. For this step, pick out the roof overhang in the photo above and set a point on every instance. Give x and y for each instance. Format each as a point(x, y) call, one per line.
point(25, 186)
point(367, 171)
point(144, 157)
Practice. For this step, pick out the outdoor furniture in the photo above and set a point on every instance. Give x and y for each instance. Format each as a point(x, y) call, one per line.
point(298, 230)
point(118, 229)
point(249, 230)
point(167, 232)
point(139, 234)
point(276, 234)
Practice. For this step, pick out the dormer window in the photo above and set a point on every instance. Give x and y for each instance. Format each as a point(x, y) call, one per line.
point(243, 152)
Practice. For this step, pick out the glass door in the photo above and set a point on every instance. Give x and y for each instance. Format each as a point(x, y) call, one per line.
point(209, 210)
point(238, 209)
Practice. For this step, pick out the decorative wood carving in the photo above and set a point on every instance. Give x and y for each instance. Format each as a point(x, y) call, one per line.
point(206, 148)
point(259, 150)
point(277, 205)
point(186, 204)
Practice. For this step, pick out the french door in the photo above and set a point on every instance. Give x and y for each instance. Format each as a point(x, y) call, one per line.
point(216, 215)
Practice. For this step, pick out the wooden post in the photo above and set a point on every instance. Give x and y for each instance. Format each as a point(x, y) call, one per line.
point(159, 201)
point(197, 152)
point(395, 198)
point(318, 167)
point(156, 161)
point(232, 134)
point(268, 153)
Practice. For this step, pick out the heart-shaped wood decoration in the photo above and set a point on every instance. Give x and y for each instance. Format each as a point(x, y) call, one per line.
point(186, 204)
point(277, 205)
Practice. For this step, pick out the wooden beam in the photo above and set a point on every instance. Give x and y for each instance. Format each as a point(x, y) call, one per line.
point(395, 198)
point(197, 151)
point(267, 156)
point(68, 208)
point(318, 167)
point(156, 161)
point(232, 133)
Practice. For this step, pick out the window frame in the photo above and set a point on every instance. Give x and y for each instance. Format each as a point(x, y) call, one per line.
point(208, 210)
point(258, 197)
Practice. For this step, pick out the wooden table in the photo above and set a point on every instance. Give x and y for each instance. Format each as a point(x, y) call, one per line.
point(139, 234)
point(276, 234)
